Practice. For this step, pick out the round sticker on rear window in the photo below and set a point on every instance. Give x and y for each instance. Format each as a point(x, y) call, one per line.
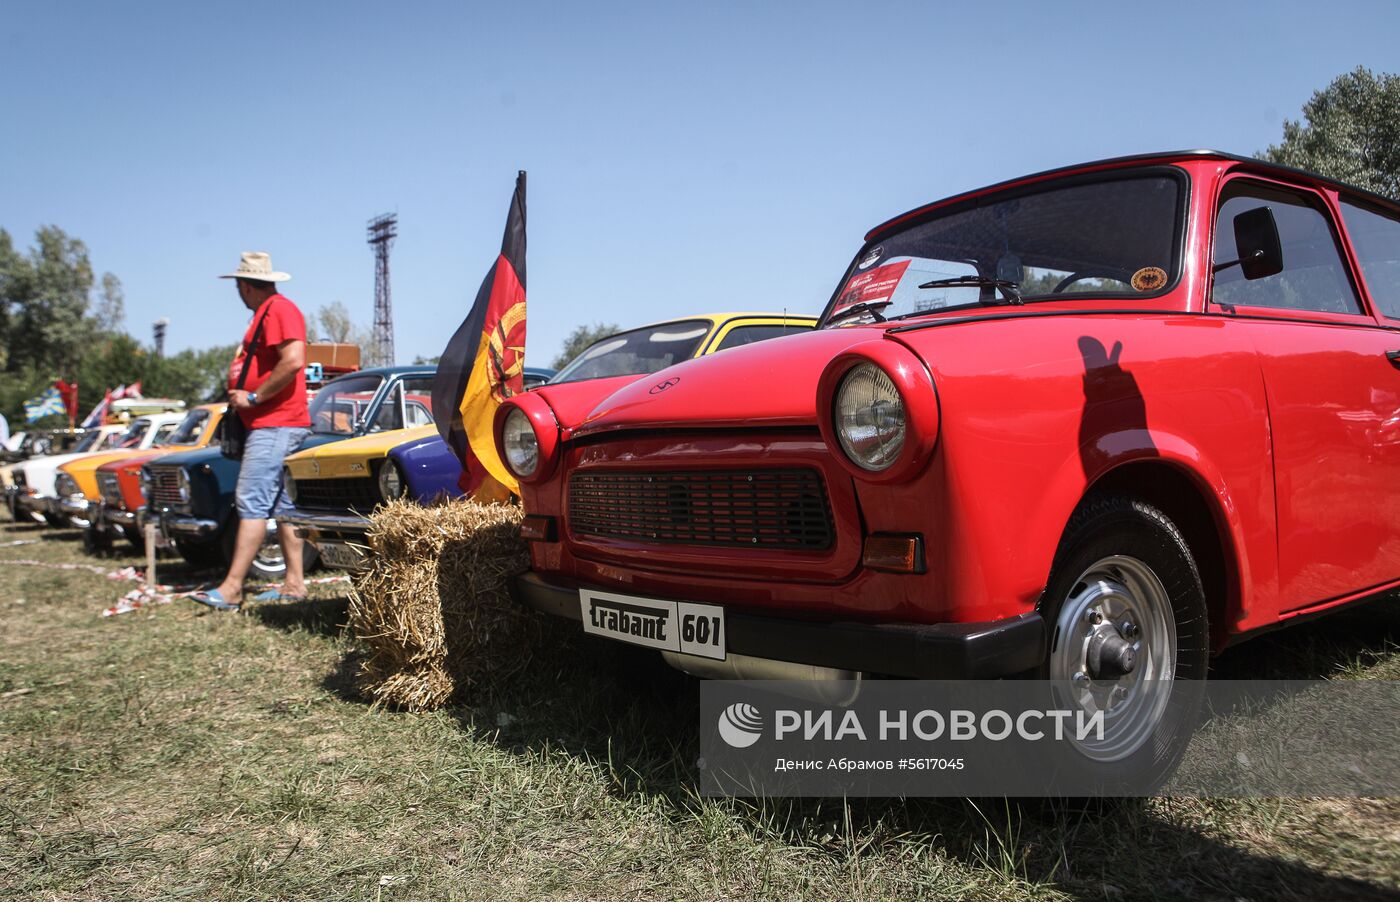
point(1149, 278)
point(872, 258)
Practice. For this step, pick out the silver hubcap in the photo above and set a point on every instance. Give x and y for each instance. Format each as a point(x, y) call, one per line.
point(1120, 603)
point(269, 556)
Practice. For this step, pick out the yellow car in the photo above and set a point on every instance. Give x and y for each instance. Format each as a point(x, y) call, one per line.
point(77, 483)
point(334, 487)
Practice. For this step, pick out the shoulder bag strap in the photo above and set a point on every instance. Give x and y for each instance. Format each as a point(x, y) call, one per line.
point(252, 349)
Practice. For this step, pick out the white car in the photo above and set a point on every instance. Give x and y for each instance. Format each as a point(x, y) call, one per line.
point(34, 489)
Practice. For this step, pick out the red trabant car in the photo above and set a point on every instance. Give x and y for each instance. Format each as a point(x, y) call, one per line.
point(1093, 424)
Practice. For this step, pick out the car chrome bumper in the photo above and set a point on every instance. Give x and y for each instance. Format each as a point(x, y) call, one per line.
point(344, 524)
point(36, 504)
point(930, 651)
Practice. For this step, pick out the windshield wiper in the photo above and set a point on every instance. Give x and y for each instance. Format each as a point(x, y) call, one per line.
point(1012, 290)
point(871, 307)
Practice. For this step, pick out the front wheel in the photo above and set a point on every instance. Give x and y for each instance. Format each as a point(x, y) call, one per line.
point(270, 565)
point(1129, 638)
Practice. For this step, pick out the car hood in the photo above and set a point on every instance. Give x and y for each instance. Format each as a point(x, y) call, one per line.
point(40, 473)
point(770, 383)
point(352, 457)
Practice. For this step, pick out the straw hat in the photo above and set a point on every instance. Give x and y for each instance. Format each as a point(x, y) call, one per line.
point(256, 265)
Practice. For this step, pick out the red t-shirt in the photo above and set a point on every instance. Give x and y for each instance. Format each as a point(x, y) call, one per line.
point(287, 407)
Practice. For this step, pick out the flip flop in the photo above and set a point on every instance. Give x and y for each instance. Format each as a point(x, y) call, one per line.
point(277, 595)
point(212, 598)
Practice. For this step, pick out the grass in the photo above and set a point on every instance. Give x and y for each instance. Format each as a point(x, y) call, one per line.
point(168, 753)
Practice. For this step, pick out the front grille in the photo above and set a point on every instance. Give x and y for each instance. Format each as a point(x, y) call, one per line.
point(165, 487)
point(110, 489)
point(355, 493)
point(784, 509)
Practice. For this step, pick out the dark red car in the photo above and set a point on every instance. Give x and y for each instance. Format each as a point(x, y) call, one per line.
point(1093, 424)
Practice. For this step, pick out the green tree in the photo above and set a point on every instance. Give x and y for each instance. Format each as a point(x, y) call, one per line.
point(111, 304)
point(581, 338)
point(1352, 133)
point(336, 325)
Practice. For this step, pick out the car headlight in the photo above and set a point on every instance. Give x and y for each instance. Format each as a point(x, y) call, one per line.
point(869, 418)
point(391, 484)
point(521, 446)
point(145, 483)
point(66, 485)
point(289, 485)
point(182, 485)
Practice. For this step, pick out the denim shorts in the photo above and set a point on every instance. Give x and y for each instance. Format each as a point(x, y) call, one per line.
point(259, 494)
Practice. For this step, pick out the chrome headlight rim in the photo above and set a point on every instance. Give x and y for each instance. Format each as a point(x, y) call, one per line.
point(182, 485)
point(392, 484)
point(145, 482)
point(65, 486)
point(521, 445)
point(289, 484)
point(870, 417)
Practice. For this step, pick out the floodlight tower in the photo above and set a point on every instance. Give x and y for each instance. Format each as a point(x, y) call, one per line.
point(382, 231)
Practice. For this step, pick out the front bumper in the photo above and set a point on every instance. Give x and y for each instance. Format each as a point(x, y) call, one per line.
point(937, 651)
point(78, 510)
point(35, 504)
point(352, 525)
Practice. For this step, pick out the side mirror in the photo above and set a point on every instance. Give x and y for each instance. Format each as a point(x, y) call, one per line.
point(1256, 240)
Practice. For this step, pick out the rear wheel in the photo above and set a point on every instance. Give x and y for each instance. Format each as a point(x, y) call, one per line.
point(1126, 612)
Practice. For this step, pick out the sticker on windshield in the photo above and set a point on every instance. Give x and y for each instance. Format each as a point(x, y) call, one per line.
point(871, 258)
point(872, 287)
point(1149, 278)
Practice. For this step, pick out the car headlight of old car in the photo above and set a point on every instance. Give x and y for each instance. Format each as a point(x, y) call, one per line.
point(66, 485)
point(289, 484)
point(521, 446)
point(145, 483)
point(391, 484)
point(870, 417)
point(182, 485)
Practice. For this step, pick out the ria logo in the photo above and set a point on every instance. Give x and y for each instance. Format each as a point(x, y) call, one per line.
point(660, 387)
point(740, 725)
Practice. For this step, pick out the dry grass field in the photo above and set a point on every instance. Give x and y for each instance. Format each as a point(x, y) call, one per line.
point(172, 753)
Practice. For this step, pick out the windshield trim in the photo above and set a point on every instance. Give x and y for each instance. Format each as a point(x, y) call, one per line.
point(371, 409)
point(987, 198)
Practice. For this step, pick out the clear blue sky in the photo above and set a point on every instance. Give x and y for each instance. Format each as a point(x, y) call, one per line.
point(682, 158)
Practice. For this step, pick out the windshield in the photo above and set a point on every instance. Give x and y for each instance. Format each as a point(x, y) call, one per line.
point(637, 352)
point(88, 442)
point(189, 429)
point(341, 405)
point(132, 437)
point(1114, 236)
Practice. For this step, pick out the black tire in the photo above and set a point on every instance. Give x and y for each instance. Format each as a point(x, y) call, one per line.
point(57, 521)
point(201, 554)
point(136, 538)
point(96, 542)
point(1124, 537)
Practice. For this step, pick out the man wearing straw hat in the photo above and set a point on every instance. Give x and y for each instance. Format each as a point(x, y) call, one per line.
point(267, 388)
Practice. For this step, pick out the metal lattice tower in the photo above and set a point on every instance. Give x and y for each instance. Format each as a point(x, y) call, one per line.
point(382, 231)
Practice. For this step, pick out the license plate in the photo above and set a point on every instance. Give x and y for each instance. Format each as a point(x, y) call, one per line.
point(340, 556)
point(679, 626)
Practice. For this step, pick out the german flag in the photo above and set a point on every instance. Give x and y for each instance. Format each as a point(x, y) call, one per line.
point(484, 364)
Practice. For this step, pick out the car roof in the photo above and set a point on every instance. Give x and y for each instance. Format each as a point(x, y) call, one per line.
point(1170, 156)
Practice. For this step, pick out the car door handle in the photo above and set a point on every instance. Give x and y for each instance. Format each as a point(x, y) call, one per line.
point(1394, 358)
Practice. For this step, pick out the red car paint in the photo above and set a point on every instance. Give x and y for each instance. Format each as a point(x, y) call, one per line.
point(1275, 420)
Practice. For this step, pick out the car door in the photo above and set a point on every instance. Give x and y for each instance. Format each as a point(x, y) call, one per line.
point(1331, 388)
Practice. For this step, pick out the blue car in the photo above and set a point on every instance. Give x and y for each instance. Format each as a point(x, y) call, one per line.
point(190, 495)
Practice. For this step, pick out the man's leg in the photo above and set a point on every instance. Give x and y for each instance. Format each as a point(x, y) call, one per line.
point(246, 544)
point(293, 583)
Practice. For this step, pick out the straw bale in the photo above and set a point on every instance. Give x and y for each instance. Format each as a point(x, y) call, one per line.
point(434, 608)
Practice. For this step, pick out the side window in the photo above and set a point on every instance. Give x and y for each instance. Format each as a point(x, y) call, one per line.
point(1313, 276)
point(1376, 239)
point(390, 413)
point(747, 335)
